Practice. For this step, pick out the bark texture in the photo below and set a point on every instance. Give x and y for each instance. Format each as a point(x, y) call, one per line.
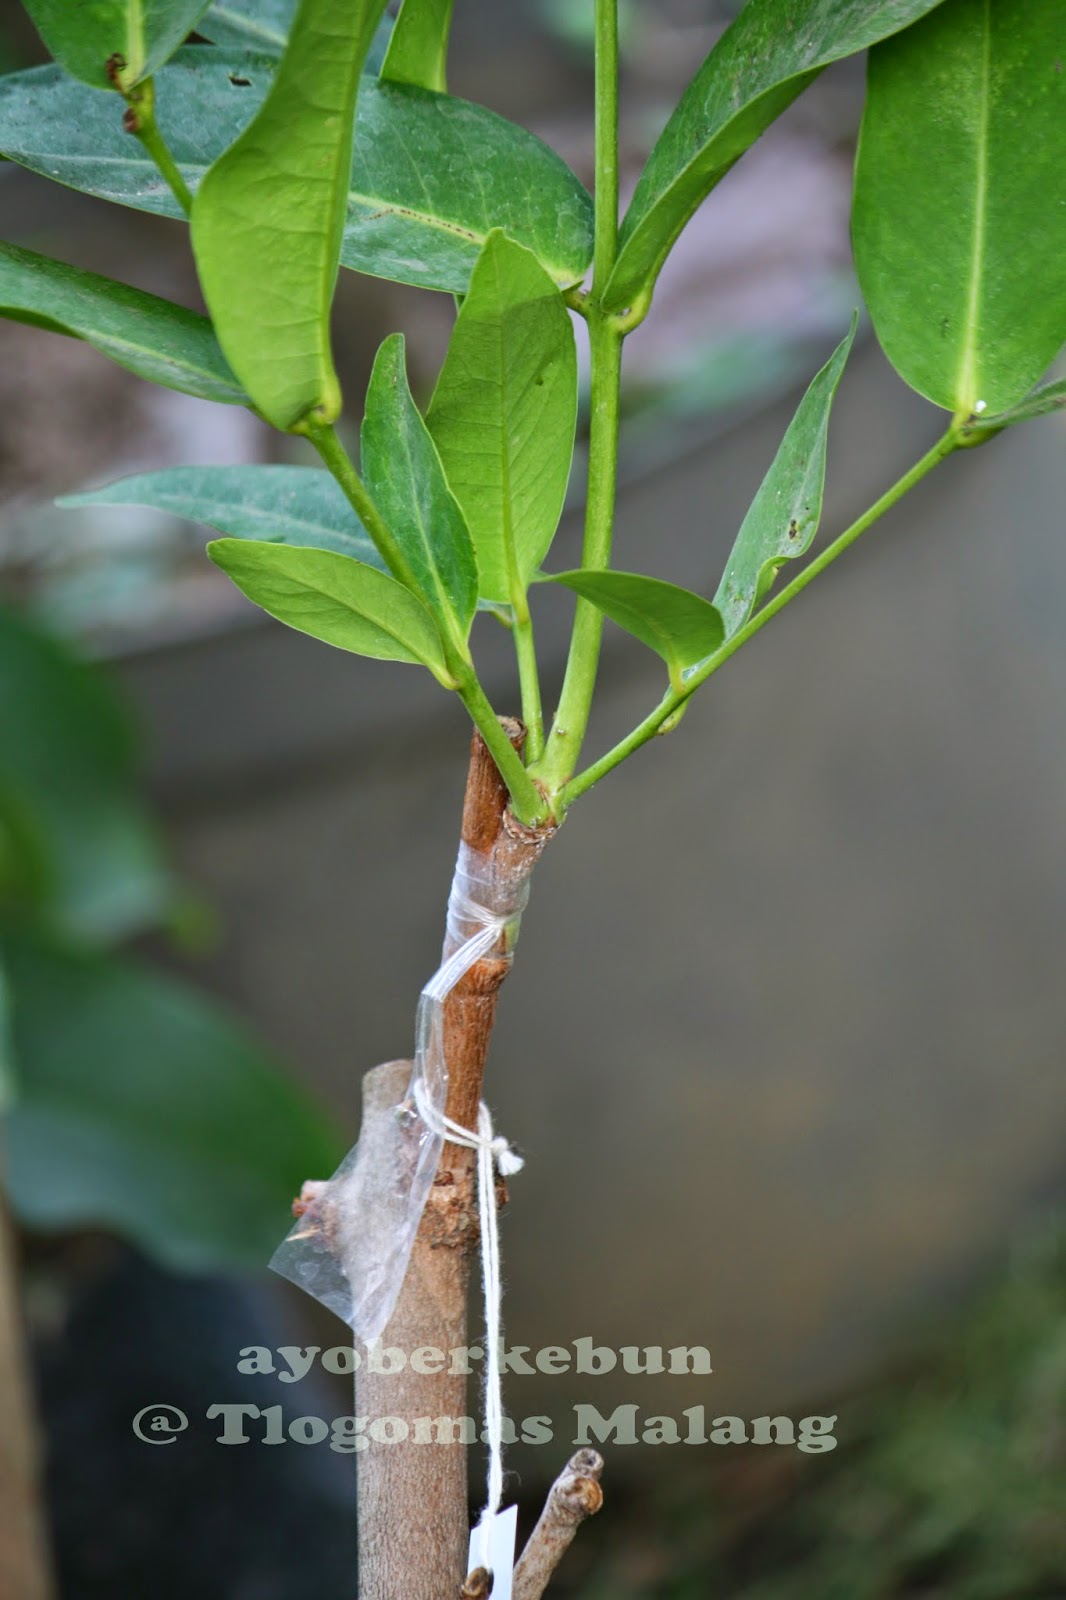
point(413, 1513)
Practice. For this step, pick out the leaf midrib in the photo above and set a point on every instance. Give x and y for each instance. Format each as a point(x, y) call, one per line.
point(966, 393)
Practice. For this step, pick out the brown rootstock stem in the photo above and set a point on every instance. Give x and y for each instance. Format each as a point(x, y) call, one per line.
point(413, 1516)
point(575, 1495)
point(24, 1567)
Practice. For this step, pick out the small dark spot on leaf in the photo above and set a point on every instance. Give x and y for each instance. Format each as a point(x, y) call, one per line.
point(115, 65)
point(540, 383)
point(239, 82)
point(793, 529)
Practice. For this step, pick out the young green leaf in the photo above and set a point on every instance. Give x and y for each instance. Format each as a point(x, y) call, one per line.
point(144, 1108)
point(403, 472)
point(784, 516)
point(769, 55)
point(503, 414)
point(159, 341)
point(300, 506)
point(418, 50)
point(333, 598)
point(678, 625)
point(268, 218)
point(418, 210)
point(959, 221)
point(113, 43)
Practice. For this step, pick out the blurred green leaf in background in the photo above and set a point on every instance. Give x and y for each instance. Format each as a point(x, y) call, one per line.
point(132, 1103)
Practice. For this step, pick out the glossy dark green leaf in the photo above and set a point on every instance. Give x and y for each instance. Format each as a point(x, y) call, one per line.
point(1042, 402)
point(503, 414)
point(335, 599)
point(280, 505)
point(75, 847)
point(144, 1109)
point(403, 472)
point(769, 55)
point(418, 50)
point(960, 216)
point(268, 218)
point(264, 26)
point(164, 343)
point(420, 206)
point(678, 625)
point(129, 39)
point(784, 516)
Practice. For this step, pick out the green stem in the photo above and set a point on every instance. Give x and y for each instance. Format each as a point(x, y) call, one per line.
point(529, 680)
point(605, 348)
point(674, 699)
point(339, 462)
point(529, 803)
point(140, 121)
point(527, 800)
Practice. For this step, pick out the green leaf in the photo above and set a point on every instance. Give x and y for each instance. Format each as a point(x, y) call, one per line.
point(1042, 402)
point(769, 55)
point(108, 42)
point(261, 25)
point(75, 847)
point(153, 338)
point(264, 26)
point(8, 1083)
point(784, 516)
point(959, 221)
point(145, 1109)
point(284, 505)
point(503, 414)
point(333, 598)
point(678, 625)
point(268, 218)
point(403, 472)
point(420, 205)
point(418, 50)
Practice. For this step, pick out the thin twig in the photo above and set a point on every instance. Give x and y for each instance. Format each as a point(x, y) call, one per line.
point(575, 1495)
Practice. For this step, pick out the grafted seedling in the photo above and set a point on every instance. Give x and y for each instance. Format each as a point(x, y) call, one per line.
point(342, 149)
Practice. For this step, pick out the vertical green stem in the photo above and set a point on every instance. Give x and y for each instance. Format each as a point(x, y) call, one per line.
point(529, 679)
point(339, 462)
point(605, 347)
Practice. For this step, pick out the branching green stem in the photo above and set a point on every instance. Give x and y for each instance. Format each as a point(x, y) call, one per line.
point(140, 121)
point(605, 347)
point(675, 699)
point(530, 805)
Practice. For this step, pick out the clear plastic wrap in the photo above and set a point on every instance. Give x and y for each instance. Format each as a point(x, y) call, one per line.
point(351, 1245)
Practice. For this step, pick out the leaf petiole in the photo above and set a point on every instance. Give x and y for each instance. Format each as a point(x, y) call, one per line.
point(672, 703)
point(139, 119)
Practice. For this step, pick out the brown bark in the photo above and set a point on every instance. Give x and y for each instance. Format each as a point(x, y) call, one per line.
point(413, 1516)
point(24, 1567)
point(575, 1495)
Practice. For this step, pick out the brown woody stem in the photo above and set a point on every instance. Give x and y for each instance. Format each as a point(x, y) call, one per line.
point(575, 1495)
point(413, 1519)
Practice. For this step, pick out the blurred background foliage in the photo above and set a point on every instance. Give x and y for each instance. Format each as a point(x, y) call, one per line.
point(950, 1480)
point(131, 1102)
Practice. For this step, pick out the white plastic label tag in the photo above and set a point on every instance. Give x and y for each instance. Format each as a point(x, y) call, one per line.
point(492, 1545)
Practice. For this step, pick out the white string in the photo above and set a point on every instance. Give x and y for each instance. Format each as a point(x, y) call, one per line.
point(492, 1151)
